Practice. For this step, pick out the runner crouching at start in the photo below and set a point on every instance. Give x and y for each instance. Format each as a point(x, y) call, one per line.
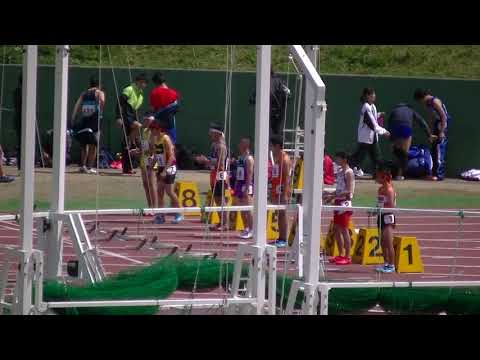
point(217, 162)
point(164, 164)
point(341, 218)
point(281, 172)
point(243, 186)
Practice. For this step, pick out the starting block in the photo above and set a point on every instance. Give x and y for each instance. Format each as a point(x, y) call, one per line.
point(368, 249)
point(188, 195)
point(407, 255)
point(331, 248)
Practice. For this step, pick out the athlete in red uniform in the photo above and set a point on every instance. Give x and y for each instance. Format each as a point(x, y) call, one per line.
point(343, 197)
point(386, 222)
point(280, 185)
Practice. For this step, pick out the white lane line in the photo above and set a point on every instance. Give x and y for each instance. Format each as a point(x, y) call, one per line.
point(5, 227)
point(114, 254)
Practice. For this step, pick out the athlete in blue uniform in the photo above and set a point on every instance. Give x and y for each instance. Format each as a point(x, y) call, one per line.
point(440, 119)
point(90, 106)
point(243, 187)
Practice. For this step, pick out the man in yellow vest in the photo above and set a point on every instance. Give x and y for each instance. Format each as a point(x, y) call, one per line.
point(129, 102)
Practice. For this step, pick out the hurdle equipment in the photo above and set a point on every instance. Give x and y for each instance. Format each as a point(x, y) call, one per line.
point(188, 195)
point(90, 265)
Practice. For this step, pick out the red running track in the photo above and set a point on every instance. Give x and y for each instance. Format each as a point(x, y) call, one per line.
point(449, 251)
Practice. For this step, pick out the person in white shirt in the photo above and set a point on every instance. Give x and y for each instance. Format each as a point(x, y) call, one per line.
point(368, 131)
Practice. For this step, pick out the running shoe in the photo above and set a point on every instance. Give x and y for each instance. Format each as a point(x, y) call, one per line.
point(343, 260)
point(128, 173)
point(358, 172)
point(431, 178)
point(246, 234)
point(280, 243)
point(6, 179)
point(178, 219)
point(159, 219)
point(399, 178)
point(333, 260)
point(91, 171)
point(83, 170)
point(386, 269)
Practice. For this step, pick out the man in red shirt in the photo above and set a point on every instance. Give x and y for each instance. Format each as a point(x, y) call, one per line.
point(164, 104)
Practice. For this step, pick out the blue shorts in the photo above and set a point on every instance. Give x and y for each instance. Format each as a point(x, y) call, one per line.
point(172, 133)
point(401, 132)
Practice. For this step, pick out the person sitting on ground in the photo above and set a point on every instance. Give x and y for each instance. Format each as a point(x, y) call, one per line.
point(368, 131)
point(343, 197)
point(146, 164)
point(400, 126)
point(129, 102)
point(217, 162)
point(90, 105)
point(164, 159)
point(386, 221)
point(164, 105)
point(243, 187)
point(4, 178)
point(439, 120)
point(280, 184)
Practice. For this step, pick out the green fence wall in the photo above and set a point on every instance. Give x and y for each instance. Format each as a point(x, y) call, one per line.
point(203, 101)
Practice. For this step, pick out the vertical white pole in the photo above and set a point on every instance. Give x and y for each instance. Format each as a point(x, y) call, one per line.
point(313, 179)
point(29, 96)
point(262, 118)
point(54, 244)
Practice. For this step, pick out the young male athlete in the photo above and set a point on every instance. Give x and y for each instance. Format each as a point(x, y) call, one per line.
point(439, 121)
point(280, 185)
point(341, 218)
point(164, 104)
point(217, 162)
point(386, 222)
point(146, 163)
point(129, 102)
point(164, 159)
point(90, 105)
point(243, 187)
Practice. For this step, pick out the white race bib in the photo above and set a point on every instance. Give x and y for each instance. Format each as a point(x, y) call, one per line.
point(389, 219)
point(145, 145)
point(222, 175)
point(88, 110)
point(240, 174)
point(171, 170)
point(275, 171)
point(160, 159)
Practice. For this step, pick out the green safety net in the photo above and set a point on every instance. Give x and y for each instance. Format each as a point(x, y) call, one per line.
point(166, 275)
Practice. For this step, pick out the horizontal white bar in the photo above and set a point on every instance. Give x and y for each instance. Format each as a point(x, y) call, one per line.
point(400, 210)
point(400, 284)
point(168, 303)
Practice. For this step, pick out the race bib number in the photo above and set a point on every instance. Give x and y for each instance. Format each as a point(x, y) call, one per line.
point(389, 219)
point(279, 189)
point(171, 170)
point(240, 175)
point(250, 190)
point(222, 176)
point(88, 109)
point(160, 160)
point(275, 171)
point(145, 145)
